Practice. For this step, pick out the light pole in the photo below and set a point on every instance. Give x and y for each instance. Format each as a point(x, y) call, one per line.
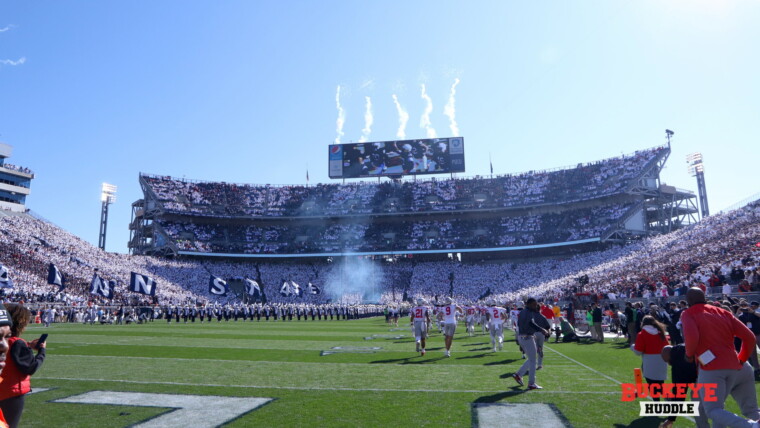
point(697, 169)
point(107, 197)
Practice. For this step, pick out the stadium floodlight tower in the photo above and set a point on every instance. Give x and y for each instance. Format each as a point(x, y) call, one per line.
point(107, 197)
point(697, 169)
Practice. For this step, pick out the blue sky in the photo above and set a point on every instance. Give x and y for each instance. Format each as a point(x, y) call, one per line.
point(244, 91)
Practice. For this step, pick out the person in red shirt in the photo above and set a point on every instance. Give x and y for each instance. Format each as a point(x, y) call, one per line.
point(709, 333)
point(21, 364)
point(5, 333)
point(649, 343)
point(744, 286)
point(548, 313)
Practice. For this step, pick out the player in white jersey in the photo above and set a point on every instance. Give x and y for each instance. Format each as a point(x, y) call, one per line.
point(470, 311)
point(420, 317)
point(449, 311)
point(439, 318)
point(513, 318)
point(496, 316)
point(514, 313)
point(483, 312)
point(429, 321)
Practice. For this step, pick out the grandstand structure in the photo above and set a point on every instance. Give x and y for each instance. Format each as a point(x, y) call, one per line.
point(587, 206)
point(15, 182)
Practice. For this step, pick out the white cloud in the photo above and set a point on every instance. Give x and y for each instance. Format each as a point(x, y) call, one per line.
point(368, 84)
point(12, 62)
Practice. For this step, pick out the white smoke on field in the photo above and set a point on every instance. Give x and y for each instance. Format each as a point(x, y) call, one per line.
point(425, 119)
point(403, 118)
point(354, 280)
point(450, 109)
point(341, 116)
point(368, 120)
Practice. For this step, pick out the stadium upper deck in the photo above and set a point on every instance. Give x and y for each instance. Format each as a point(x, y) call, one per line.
point(608, 199)
point(220, 199)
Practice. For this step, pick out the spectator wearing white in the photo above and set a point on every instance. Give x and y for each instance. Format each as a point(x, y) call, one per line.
point(726, 289)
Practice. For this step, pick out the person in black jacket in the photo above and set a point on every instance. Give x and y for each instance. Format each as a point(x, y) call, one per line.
point(596, 317)
point(682, 371)
point(630, 319)
point(749, 314)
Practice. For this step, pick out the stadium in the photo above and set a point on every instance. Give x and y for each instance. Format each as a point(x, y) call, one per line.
point(236, 255)
point(379, 214)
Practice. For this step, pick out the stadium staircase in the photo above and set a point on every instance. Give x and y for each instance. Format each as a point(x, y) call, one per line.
point(617, 231)
point(657, 162)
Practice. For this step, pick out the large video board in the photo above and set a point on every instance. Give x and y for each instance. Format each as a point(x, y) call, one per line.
point(406, 157)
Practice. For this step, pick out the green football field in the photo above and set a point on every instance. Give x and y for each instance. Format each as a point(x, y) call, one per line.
point(330, 373)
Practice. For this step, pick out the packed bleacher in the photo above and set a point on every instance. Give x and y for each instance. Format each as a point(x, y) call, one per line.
point(220, 199)
point(721, 248)
point(413, 234)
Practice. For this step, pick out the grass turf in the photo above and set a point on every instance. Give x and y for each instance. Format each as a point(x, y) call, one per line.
point(354, 387)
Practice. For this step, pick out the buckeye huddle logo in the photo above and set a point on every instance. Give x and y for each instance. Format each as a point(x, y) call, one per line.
point(667, 391)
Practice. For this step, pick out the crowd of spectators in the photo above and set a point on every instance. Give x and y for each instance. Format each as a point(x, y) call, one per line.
point(721, 250)
point(220, 199)
point(28, 245)
point(17, 168)
point(358, 234)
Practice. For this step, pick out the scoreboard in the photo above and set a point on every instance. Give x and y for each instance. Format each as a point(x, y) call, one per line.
point(394, 158)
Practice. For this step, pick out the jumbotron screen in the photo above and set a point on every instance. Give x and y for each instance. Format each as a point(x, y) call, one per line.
point(429, 156)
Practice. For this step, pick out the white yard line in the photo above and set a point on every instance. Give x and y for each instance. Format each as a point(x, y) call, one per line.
point(307, 388)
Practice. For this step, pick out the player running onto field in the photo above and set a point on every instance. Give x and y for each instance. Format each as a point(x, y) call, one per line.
point(496, 316)
point(470, 319)
point(449, 312)
point(420, 318)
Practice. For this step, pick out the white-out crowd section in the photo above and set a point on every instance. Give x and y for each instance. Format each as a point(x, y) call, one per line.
point(721, 246)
